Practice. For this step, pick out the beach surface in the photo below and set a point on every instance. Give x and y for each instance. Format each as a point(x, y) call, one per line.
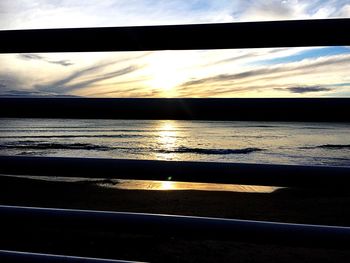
point(326, 206)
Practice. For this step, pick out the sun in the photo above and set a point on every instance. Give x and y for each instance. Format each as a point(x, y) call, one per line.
point(163, 80)
point(165, 70)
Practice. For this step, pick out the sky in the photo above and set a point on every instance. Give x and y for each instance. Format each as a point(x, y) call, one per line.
point(273, 72)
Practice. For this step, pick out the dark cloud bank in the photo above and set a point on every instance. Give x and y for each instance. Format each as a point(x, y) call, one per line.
point(301, 89)
point(64, 63)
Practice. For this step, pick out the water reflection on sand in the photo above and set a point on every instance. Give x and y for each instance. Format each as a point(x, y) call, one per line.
point(154, 185)
point(167, 185)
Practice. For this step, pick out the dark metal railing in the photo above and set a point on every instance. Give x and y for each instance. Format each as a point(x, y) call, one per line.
point(27, 257)
point(322, 32)
point(190, 227)
point(305, 109)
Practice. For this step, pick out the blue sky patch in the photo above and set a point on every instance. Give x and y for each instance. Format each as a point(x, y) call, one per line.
point(312, 53)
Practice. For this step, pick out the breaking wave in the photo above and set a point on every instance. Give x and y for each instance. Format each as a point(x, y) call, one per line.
point(74, 136)
point(328, 146)
point(54, 146)
point(211, 151)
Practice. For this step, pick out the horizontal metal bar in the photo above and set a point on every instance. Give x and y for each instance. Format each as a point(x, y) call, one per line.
point(323, 32)
point(322, 109)
point(178, 226)
point(204, 172)
point(16, 256)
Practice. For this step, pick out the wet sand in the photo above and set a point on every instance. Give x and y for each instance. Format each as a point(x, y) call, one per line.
point(329, 207)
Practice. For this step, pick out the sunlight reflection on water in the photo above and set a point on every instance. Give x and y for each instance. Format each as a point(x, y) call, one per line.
point(167, 139)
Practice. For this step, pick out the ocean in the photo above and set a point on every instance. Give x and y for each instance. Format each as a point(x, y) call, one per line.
point(325, 144)
point(214, 141)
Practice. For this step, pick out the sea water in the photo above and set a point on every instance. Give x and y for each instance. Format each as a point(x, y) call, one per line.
point(214, 141)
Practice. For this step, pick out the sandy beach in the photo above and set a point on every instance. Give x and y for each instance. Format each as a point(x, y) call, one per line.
point(328, 207)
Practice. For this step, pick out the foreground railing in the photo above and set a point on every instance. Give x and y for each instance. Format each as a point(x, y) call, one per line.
point(321, 32)
point(189, 227)
point(214, 36)
point(15, 257)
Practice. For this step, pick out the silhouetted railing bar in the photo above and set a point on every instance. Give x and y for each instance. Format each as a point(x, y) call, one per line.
point(204, 172)
point(297, 33)
point(179, 226)
point(16, 256)
point(303, 109)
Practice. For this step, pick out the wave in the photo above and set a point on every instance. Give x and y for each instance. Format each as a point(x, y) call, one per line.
point(74, 136)
point(88, 130)
point(212, 151)
point(260, 126)
point(328, 146)
point(32, 145)
point(318, 128)
point(254, 136)
point(54, 146)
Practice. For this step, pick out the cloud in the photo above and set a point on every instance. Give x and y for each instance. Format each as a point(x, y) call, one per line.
point(84, 77)
point(32, 94)
point(79, 73)
point(10, 81)
point(93, 73)
point(12, 85)
point(122, 92)
point(30, 57)
point(232, 59)
point(273, 80)
point(64, 63)
point(230, 77)
point(292, 9)
point(21, 93)
point(204, 74)
point(119, 74)
point(307, 89)
point(302, 67)
point(65, 85)
point(102, 77)
point(270, 10)
point(90, 13)
point(344, 11)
